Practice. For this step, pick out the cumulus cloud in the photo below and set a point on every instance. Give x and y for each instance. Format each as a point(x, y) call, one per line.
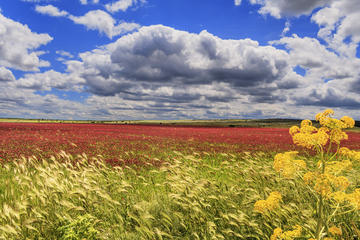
point(104, 23)
point(143, 72)
point(6, 75)
point(237, 2)
point(338, 22)
point(122, 5)
point(286, 28)
point(330, 79)
point(149, 65)
point(48, 80)
point(18, 44)
point(64, 54)
point(84, 2)
point(283, 8)
point(51, 11)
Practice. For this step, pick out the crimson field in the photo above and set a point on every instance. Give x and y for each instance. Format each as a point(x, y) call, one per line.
point(139, 144)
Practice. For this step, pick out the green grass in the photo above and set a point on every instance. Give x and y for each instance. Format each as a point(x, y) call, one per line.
point(189, 197)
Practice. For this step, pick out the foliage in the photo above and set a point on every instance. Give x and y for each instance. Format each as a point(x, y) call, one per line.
point(182, 192)
point(335, 203)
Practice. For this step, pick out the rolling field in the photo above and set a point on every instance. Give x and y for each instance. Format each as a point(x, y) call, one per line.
point(139, 144)
point(108, 181)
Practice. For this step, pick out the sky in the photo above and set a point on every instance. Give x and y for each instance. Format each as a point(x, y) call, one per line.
point(179, 59)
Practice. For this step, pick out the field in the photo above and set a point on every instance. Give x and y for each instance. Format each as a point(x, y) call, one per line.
point(155, 181)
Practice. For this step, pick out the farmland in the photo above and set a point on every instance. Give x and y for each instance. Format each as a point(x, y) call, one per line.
point(146, 181)
point(138, 144)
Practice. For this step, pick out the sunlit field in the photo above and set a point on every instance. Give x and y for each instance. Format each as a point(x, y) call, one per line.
point(113, 181)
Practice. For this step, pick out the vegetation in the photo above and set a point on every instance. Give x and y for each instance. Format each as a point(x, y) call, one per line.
point(189, 193)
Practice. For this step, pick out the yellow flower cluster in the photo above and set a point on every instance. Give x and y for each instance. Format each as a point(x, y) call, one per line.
point(353, 198)
point(337, 167)
point(309, 136)
point(351, 154)
point(278, 234)
point(335, 230)
point(324, 184)
point(272, 202)
point(331, 129)
point(287, 165)
point(326, 120)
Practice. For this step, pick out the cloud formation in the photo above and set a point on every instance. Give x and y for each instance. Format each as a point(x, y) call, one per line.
point(84, 2)
point(6, 75)
point(51, 11)
point(104, 23)
point(159, 72)
point(93, 20)
point(339, 21)
point(18, 44)
point(237, 2)
point(283, 8)
point(160, 55)
point(122, 5)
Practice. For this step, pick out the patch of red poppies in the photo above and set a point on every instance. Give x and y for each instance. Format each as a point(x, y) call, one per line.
point(139, 144)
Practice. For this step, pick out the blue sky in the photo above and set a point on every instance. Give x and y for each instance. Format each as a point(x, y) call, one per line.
point(178, 59)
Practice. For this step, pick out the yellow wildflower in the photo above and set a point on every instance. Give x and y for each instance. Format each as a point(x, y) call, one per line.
point(308, 129)
point(323, 117)
point(336, 135)
point(328, 111)
point(276, 234)
point(296, 232)
point(308, 177)
point(293, 130)
point(354, 198)
point(335, 230)
point(272, 202)
point(285, 164)
point(320, 138)
point(305, 123)
point(344, 151)
point(288, 235)
point(336, 167)
point(339, 196)
point(348, 121)
point(261, 206)
point(351, 154)
point(341, 182)
point(299, 164)
point(322, 185)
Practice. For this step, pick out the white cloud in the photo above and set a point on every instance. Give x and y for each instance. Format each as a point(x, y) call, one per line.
point(17, 46)
point(51, 11)
point(281, 8)
point(104, 23)
point(122, 5)
point(64, 54)
point(237, 2)
point(331, 80)
point(340, 21)
point(49, 79)
point(6, 75)
point(156, 56)
point(286, 28)
point(84, 2)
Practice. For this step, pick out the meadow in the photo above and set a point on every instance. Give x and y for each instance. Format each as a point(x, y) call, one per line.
point(146, 181)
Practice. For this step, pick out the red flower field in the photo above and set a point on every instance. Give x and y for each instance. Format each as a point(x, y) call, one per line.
point(136, 144)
